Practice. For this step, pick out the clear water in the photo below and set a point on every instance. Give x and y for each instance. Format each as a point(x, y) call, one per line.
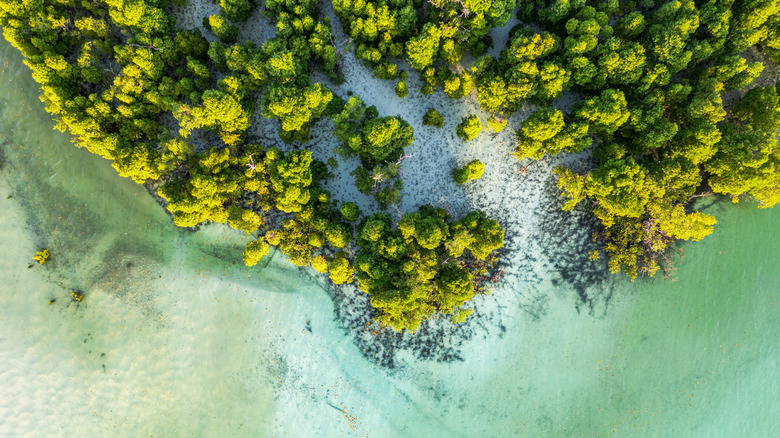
point(175, 337)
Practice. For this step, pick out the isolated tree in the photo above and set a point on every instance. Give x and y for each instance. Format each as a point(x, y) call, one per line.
point(469, 128)
point(433, 118)
point(471, 171)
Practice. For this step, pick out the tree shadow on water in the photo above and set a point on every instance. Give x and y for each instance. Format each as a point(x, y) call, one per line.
point(566, 240)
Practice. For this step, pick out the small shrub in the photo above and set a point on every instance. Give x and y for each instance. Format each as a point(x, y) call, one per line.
point(460, 175)
point(469, 128)
point(401, 90)
point(433, 118)
point(41, 256)
point(471, 171)
point(476, 169)
point(349, 211)
point(386, 70)
point(221, 28)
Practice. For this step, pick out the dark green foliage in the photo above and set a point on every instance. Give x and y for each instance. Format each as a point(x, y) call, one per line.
point(546, 131)
point(605, 113)
point(652, 90)
point(746, 164)
point(221, 28)
point(112, 72)
point(477, 233)
point(651, 87)
point(445, 32)
point(212, 189)
point(433, 118)
point(349, 211)
point(460, 175)
point(379, 29)
point(386, 70)
point(423, 49)
point(379, 142)
point(236, 10)
point(383, 181)
point(471, 171)
point(338, 234)
point(760, 108)
point(368, 136)
point(220, 112)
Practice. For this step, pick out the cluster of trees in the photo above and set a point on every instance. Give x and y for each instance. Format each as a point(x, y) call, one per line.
point(652, 77)
point(428, 35)
point(420, 269)
point(172, 110)
point(379, 142)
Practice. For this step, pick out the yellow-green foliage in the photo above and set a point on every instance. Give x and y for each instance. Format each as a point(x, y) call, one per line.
point(397, 267)
point(296, 108)
point(291, 177)
point(471, 171)
point(320, 264)
point(401, 90)
point(497, 123)
point(469, 128)
point(41, 256)
point(349, 211)
point(254, 251)
point(340, 270)
point(222, 28)
point(219, 112)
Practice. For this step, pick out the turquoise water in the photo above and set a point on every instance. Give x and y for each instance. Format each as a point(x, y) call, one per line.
point(175, 337)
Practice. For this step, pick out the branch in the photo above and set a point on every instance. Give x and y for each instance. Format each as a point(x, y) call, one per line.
point(145, 47)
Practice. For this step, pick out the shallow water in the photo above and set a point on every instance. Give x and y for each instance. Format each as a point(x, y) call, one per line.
point(175, 337)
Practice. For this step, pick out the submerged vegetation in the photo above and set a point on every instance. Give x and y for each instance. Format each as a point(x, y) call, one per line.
point(171, 108)
point(41, 255)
